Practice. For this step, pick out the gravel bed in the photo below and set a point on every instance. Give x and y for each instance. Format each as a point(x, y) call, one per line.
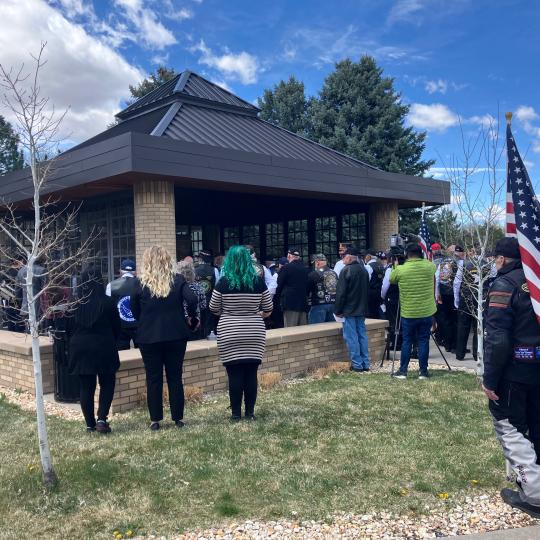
point(26, 402)
point(478, 514)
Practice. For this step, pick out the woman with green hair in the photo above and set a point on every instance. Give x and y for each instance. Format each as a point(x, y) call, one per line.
point(241, 300)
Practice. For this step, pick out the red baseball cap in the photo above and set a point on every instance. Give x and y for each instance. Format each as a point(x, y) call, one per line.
point(435, 247)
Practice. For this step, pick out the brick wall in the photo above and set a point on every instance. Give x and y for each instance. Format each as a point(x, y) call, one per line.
point(383, 223)
point(290, 351)
point(16, 368)
point(155, 223)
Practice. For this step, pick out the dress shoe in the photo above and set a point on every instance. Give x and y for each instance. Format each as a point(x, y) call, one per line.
point(513, 498)
point(154, 426)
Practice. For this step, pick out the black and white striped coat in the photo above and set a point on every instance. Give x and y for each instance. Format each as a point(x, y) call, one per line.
point(241, 330)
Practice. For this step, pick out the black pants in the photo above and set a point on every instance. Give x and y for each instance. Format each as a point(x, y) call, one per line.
point(126, 335)
point(465, 321)
point(107, 382)
point(242, 382)
point(168, 355)
point(374, 304)
point(447, 321)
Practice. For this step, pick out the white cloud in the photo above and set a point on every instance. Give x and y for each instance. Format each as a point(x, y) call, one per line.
point(147, 26)
point(82, 73)
point(242, 66)
point(404, 10)
point(524, 113)
point(435, 117)
point(486, 121)
point(437, 86)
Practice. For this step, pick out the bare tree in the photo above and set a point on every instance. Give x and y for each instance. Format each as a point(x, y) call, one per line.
point(45, 243)
point(478, 184)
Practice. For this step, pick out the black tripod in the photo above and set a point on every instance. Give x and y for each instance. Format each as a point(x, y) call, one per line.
point(397, 333)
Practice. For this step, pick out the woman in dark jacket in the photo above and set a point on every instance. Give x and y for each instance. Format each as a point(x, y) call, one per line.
point(94, 327)
point(162, 334)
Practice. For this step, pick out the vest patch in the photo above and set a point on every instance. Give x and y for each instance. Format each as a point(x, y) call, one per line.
point(525, 288)
point(124, 309)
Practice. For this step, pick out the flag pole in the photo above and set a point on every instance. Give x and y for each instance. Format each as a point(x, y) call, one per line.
point(508, 116)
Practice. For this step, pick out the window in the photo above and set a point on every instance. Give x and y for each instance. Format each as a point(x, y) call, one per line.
point(354, 229)
point(196, 239)
point(298, 236)
point(250, 235)
point(94, 227)
point(275, 245)
point(231, 237)
point(326, 238)
point(123, 232)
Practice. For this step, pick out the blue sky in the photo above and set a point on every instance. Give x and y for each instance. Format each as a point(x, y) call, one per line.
point(454, 62)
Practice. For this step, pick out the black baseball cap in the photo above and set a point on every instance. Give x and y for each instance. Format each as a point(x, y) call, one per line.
point(352, 251)
point(294, 252)
point(459, 249)
point(508, 247)
point(128, 265)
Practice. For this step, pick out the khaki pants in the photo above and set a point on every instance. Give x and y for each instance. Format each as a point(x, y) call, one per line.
point(294, 318)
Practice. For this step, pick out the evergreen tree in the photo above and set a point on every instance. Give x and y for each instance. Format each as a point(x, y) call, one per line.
point(360, 114)
point(161, 75)
point(285, 105)
point(11, 158)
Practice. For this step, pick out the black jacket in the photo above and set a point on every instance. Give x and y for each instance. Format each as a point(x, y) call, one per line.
point(121, 290)
point(162, 319)
point(292, 286)
point(93, 350)
point(322, 286)
point(352, 291)
point(512, 332)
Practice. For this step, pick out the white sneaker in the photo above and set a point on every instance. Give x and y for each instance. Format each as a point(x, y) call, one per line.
point(399, 375)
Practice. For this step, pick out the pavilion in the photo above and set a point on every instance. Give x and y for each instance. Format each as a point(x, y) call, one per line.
point(191, 165)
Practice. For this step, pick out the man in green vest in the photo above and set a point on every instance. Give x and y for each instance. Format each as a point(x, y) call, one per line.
point(416, 282)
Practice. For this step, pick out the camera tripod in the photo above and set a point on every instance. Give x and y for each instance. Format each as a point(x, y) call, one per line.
point(397, 333)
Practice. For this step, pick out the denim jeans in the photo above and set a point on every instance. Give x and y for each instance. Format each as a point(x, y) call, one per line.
point(321, 313)
point(411, 329)
point(355, 335)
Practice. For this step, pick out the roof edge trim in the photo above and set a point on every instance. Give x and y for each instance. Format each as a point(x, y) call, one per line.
point(163, 124)
point(180, 85)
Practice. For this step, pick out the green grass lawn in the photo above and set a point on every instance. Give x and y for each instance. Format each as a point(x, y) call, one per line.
point(345, 443)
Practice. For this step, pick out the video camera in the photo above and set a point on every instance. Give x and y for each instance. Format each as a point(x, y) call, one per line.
point(397, 245)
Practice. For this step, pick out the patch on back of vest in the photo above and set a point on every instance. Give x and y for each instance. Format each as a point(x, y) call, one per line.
point(124, 309)
point(525, 288)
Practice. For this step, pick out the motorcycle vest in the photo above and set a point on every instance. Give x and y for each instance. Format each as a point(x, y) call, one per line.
point(326, 286)
point(206, 276)
point(121, 289)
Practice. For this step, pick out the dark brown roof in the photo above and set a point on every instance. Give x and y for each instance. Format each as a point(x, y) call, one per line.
point(187, 84)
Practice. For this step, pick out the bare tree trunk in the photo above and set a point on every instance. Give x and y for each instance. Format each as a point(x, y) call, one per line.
point(480, 330)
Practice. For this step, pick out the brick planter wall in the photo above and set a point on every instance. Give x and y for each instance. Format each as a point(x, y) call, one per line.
point(16, 369)
point(289, 351)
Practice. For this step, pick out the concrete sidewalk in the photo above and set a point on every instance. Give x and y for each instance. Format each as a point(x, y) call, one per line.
point(526, 533)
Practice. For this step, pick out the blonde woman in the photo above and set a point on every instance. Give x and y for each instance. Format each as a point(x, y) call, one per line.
point(158, 305)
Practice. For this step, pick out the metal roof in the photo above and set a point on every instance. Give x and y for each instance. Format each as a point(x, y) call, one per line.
point(248, 133)
point(187, 84)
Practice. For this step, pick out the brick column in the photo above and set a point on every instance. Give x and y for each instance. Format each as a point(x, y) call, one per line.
point(383, 223)
point(153, 202)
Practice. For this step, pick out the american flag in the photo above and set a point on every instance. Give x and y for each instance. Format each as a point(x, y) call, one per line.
point(526, 211)
point(425, 241)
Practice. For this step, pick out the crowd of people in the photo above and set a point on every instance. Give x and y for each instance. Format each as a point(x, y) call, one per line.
point(235, 299)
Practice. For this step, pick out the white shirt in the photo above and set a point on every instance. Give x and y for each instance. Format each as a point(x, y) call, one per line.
point(458, 279)
point(339, 266)
point(386, 282)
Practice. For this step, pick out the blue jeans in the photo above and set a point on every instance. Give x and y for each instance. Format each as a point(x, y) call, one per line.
point(355, 335)
point(321, 313)
point(411, 329)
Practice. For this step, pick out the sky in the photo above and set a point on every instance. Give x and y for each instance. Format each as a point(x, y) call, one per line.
point(458, 64)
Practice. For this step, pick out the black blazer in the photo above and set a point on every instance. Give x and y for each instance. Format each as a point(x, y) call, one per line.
point(352, 291)
point(93, 350)
point(162, 319)
point(292, 288)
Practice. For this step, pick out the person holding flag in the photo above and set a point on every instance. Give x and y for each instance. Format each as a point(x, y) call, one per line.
point(511, 379)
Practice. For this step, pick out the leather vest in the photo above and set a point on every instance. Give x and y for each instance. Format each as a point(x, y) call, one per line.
point(326, 285)
point(121, 289)
point(206, 276)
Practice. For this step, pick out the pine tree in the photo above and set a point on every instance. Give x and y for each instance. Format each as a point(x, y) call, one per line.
point(359, 113)
point(11, 157)
point(161, 75)
point(286, 106)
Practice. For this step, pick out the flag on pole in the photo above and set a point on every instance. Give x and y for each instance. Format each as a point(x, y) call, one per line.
point(526, 211)
point(425, 241)
point(510, 216)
